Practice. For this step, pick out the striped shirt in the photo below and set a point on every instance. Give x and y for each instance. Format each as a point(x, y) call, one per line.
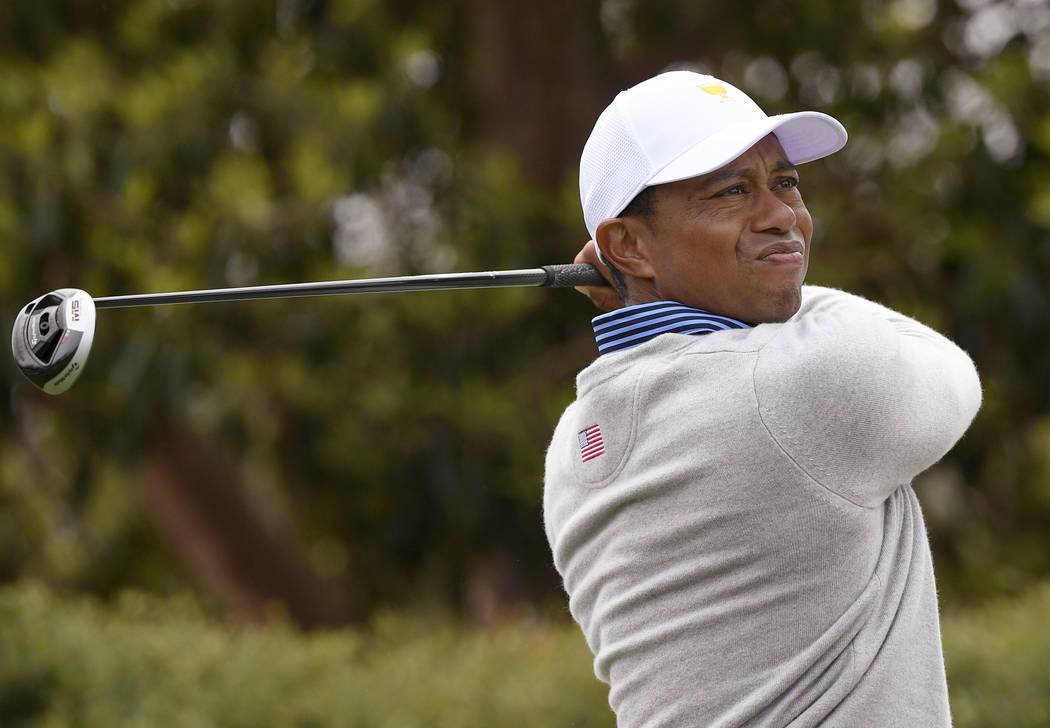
point(632, 326)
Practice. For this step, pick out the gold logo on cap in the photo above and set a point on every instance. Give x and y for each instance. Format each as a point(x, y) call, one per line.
point(715, 90)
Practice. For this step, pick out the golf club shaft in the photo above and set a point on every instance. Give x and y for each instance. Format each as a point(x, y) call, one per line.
point(549, 276)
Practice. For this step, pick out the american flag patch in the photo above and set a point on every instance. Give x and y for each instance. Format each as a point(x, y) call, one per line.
point(591, 445)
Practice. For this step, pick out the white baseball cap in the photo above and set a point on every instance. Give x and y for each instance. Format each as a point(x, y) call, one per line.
point(682, 124)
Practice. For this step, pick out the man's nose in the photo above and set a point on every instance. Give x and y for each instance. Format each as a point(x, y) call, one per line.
point(773, 214)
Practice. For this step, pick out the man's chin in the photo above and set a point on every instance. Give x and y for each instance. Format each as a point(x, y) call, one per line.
point(778, 306)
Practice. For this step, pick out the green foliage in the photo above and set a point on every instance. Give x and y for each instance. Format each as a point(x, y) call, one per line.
point(998, 660)
point(154, 145)
point(164, 664)
point(169, 146)
point(147, 661)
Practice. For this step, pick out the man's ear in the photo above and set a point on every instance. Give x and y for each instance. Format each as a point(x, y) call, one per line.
point(622, 242)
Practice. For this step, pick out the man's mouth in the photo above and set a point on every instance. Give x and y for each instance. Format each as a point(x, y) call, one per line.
point(791, 252)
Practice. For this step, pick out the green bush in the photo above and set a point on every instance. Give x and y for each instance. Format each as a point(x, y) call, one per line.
point(155, 663)
point(145, 661)
point(998, 660)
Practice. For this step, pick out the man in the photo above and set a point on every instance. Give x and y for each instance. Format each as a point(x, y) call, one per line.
point(728, 500)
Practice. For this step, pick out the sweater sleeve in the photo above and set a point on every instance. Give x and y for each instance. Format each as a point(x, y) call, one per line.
point(860, 397)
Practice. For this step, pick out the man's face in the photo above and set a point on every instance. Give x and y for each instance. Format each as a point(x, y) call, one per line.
point(735, 241)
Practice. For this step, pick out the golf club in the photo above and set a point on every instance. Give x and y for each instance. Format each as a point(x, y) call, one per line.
point(52, 334)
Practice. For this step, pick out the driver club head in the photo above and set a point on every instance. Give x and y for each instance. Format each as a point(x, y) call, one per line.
point(52, 338)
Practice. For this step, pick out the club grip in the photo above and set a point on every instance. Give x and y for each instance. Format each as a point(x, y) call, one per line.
point(571, 275)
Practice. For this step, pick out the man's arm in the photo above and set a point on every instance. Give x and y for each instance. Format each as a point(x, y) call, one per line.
point(863, 398)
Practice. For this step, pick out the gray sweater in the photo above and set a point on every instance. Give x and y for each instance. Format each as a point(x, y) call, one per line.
point(746, 549)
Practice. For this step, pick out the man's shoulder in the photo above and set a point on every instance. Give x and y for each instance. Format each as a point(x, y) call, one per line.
point(813, 295)
point(666, 351)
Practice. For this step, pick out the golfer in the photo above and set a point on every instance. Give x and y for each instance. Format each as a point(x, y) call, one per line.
point(728, 499)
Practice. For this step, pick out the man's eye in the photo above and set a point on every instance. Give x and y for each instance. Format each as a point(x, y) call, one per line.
point(787, 183)
point(734, 190)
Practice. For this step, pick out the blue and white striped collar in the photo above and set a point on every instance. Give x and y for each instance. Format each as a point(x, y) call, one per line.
point(632, 326)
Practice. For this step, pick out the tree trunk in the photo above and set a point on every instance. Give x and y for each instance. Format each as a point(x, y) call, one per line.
point(207, 515)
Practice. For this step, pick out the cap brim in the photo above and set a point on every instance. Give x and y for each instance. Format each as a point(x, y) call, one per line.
point(804, 136)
